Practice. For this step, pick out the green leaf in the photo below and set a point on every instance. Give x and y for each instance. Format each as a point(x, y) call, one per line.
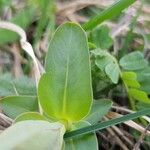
point(66, 86)
point(37, 135)
point(144, 79)
point(113, 71)
point(23, 18)
point(25, 86)
point(141, 105)
point(22, 86)
point(85, 142)
point(106, 124)
point(108, 13)
point(15, 105)
point(139, 95)
point(30, 116)
point(130, 78)
point(103, 61)
point(101, 38)
point(133, 61)
point(6, 86)
point(99, 109)
point(106, 62)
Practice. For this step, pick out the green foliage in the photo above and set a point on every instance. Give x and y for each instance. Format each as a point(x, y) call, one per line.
point(133, 61)
point(136, 80)
point(25, 132)
point(106, 62)
point(130, 78)
point(143, 77)
point(101, 38)
point(15, 105)
point(66, 86)
point(64, 90)
point(139, 95)
point(21, 86)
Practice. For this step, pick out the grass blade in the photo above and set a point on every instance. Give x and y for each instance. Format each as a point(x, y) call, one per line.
point(108, 13)
point(106, 124)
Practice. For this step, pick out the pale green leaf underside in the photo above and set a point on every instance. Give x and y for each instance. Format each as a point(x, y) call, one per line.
point(65, 90)
point(33, 135)
point(84, 142)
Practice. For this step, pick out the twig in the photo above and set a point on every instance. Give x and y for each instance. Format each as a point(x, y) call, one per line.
point(130, 111)
point(137, 145)
point(121, 134)
point(118, 140)
point(129, 123)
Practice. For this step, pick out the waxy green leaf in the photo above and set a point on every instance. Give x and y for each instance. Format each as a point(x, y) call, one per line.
point(33, 135)
point(15, 105)
point(65, 90)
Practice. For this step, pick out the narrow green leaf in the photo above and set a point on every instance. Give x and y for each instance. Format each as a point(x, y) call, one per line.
point(84, 142)
point(108, 13)
point(66, 86)
point(37, 135)
point(30, 116)
point(106, 124)
point(99, 109)
point(15, 105)
point(133, 61)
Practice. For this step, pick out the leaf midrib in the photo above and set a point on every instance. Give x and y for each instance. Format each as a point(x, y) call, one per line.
point(66, 78)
